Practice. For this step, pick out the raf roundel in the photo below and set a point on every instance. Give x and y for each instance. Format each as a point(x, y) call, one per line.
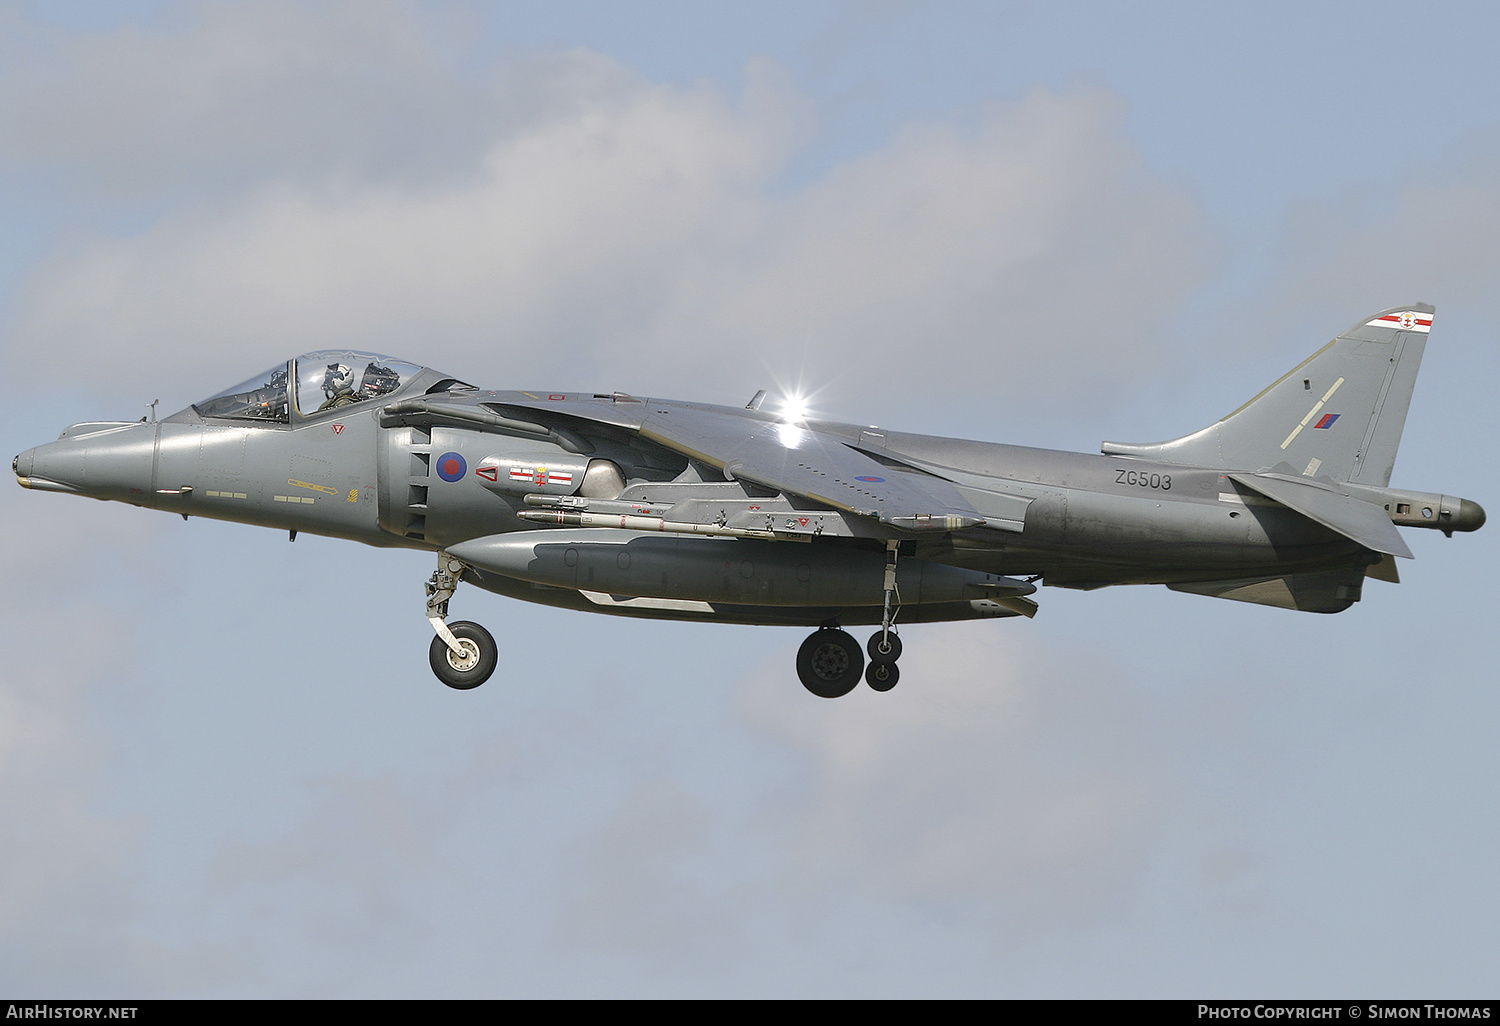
point(451, 466)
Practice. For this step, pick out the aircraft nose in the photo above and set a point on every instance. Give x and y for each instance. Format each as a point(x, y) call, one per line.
point(107, 461)
point(55, 467)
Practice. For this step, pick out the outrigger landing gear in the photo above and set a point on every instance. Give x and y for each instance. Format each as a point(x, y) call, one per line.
point(463, 655)
point(882, 673)
point(885, 646)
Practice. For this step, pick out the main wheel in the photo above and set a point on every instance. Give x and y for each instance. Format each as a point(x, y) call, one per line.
point(467, 669)
point(882, 676)
point(884, 647)
point(829, 663)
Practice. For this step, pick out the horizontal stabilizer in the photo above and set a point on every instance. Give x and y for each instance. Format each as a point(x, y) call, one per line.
point(1363, 522)
point(1328, 591)
point(1385, 570)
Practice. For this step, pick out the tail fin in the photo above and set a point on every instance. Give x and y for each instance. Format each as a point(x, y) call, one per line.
point(1337, 414)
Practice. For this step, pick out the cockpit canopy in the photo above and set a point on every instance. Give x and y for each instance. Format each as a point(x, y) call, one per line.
point(326, 380)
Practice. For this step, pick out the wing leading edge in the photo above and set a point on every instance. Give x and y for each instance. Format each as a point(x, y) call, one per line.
point(795, 459)
point(802, 461)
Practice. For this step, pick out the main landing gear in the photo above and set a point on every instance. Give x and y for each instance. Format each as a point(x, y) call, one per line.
point(464, 654)
point(829, 661)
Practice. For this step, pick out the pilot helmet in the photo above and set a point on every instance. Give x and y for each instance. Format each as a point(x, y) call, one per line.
point(339, 378)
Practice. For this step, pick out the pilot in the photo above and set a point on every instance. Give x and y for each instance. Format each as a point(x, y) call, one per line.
point(338, 386)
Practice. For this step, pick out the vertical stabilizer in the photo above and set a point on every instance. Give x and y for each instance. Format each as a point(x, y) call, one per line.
point(1338, 414)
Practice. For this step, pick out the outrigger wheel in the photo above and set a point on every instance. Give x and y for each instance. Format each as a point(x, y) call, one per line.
point(882, 676)
point(884, 648)
point(830, 663)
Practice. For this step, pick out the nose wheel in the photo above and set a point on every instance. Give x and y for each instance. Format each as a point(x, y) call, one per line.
point(471, 663)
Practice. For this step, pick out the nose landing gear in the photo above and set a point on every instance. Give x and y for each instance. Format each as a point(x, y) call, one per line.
point(464, 654)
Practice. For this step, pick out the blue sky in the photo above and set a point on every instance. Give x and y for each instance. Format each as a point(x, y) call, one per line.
point(225, 769)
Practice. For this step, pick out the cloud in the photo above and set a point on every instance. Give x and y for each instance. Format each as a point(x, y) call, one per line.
point(622, 234)
point(637, 886)
point(210, 97)
point(565, 224)
point(67, 881)
point(1436, 240)
point(993, 780)
point(978, 261)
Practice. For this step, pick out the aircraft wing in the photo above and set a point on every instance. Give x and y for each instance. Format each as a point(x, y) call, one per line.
point(791, 458)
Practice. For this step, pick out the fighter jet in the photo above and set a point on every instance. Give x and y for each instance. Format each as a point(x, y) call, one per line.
point(668, 509)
